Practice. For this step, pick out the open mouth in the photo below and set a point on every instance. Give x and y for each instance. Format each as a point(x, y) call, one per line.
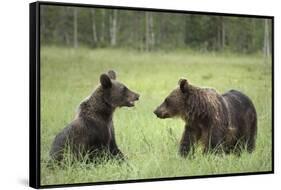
point(131, 103)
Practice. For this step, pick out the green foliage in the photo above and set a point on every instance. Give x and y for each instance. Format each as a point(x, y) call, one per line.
point(170, 30)
point(151, 145)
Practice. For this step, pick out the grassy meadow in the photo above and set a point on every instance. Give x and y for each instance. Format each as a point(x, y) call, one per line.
point(151, 144)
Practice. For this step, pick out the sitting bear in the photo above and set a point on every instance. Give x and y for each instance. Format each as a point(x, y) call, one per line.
point(92, 131)
point(226, 122)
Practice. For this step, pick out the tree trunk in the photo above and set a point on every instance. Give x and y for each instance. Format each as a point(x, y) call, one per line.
point(94, 30)
point(146, 32)
point(102, 35)
point(151, 27)
point(113, 27)
point(75, 28)
point(140, 32)
point(149, 32)
point(222, 33)
point(63, 26)
point(253, 36)
point(266, 44)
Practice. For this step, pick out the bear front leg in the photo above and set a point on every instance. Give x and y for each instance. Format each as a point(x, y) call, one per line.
point(115, 151)
point(113, 148)
point(187, 141)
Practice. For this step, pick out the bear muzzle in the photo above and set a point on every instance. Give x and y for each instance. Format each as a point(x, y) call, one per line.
point(131, 102)
point(160, 114)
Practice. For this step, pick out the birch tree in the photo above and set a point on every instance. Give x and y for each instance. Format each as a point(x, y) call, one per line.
point(102, 35)
point(75, 28)
point(113, 27)
point(266, 42)
point(149, 32)
point(222, 33)
point(94, 30)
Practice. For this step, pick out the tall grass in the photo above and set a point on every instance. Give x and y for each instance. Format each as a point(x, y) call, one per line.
point(151, 144)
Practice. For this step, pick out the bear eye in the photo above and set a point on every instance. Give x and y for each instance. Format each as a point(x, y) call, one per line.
point(124, 88)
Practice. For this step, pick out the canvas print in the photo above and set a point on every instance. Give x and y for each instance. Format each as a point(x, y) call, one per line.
point(130, 94)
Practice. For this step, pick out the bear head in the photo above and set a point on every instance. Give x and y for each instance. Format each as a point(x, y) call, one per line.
point(115, 93)
point(175, 103)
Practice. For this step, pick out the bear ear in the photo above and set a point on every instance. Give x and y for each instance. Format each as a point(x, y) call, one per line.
point(112, 74)
point(105, 81)
point(183, 85)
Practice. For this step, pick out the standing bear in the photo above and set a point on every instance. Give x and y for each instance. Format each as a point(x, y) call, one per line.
point(226, 122)
point(92, 131)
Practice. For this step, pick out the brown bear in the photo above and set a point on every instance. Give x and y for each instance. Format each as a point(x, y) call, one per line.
point(226, 122)
point(92, 130)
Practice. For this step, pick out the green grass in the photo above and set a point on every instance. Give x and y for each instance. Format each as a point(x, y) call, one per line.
point(151, 144)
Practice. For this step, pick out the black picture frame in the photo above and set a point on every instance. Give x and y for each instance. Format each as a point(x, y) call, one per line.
point(34, 93)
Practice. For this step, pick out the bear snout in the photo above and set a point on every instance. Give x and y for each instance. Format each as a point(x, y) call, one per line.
point(137, 97)
point(131, 100)
point(160, 113)
point(157, 113)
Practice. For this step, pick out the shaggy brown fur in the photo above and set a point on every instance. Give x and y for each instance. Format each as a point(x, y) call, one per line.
point(225, 122)
point(92, 130)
